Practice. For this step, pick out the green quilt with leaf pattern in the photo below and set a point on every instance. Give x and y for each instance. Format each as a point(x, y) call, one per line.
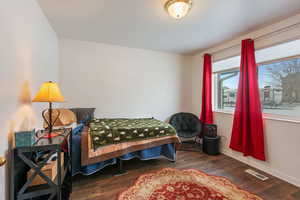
point(113, 131)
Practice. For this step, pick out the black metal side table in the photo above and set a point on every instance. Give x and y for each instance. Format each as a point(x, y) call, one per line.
point(34, 158)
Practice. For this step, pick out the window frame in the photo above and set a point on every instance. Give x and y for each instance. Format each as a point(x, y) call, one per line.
point(270, 116)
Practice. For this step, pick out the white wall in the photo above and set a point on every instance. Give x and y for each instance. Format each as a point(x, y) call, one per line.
point(124, 82)
point(28, 56)
point(120, 82)
point(282, 137)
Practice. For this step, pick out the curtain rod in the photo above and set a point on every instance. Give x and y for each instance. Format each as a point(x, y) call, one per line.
point(278, 31)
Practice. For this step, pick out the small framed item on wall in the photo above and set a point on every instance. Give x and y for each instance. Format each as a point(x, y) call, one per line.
point(24, 138)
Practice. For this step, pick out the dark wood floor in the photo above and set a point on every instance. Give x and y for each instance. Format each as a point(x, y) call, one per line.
point(104, 186)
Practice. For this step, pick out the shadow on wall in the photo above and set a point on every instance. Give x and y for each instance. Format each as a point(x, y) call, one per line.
point(185, 93)
point(23, 119)
point(185, 85)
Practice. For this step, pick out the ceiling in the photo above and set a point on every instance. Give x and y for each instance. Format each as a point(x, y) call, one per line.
point(145, 24)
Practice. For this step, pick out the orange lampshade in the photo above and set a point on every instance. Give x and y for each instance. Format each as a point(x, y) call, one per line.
point(49, 92)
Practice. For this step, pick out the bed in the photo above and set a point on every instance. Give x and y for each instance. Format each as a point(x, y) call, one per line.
point(150, 139)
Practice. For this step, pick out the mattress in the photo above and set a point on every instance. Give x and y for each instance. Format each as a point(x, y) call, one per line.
point(105, 132)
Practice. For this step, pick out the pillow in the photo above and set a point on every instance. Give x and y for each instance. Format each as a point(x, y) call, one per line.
point(83, 114)
point(66, 117)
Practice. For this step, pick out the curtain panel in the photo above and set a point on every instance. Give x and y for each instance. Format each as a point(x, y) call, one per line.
point(247, 131)
point(206, 115)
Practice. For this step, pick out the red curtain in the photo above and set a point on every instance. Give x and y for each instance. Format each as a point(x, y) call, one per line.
point(247, 131)
point(206, 112)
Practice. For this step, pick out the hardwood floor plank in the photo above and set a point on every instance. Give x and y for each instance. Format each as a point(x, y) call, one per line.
point(104, 186)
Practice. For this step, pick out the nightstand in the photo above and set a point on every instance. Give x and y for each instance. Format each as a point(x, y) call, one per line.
point(29, 179)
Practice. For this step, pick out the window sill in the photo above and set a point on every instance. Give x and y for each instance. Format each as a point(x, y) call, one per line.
point(228, 112)
point(266, 116)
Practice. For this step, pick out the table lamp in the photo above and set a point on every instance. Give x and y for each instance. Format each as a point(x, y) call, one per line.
point(49, 92)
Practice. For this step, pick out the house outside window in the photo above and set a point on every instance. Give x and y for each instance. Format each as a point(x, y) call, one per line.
point(227, 89)
point(279, 86)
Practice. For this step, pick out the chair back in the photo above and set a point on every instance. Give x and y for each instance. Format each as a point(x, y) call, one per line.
point(186, 124)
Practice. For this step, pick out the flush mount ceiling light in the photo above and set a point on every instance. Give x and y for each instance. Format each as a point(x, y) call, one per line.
point(178, 8)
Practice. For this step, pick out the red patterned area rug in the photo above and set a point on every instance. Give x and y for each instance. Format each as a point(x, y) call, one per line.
point(191, 184)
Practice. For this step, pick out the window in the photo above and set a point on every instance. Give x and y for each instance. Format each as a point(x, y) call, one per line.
point(279, 85)
point(227, 89)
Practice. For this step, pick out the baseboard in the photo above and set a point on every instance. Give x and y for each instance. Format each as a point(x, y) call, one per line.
point(263, 168)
